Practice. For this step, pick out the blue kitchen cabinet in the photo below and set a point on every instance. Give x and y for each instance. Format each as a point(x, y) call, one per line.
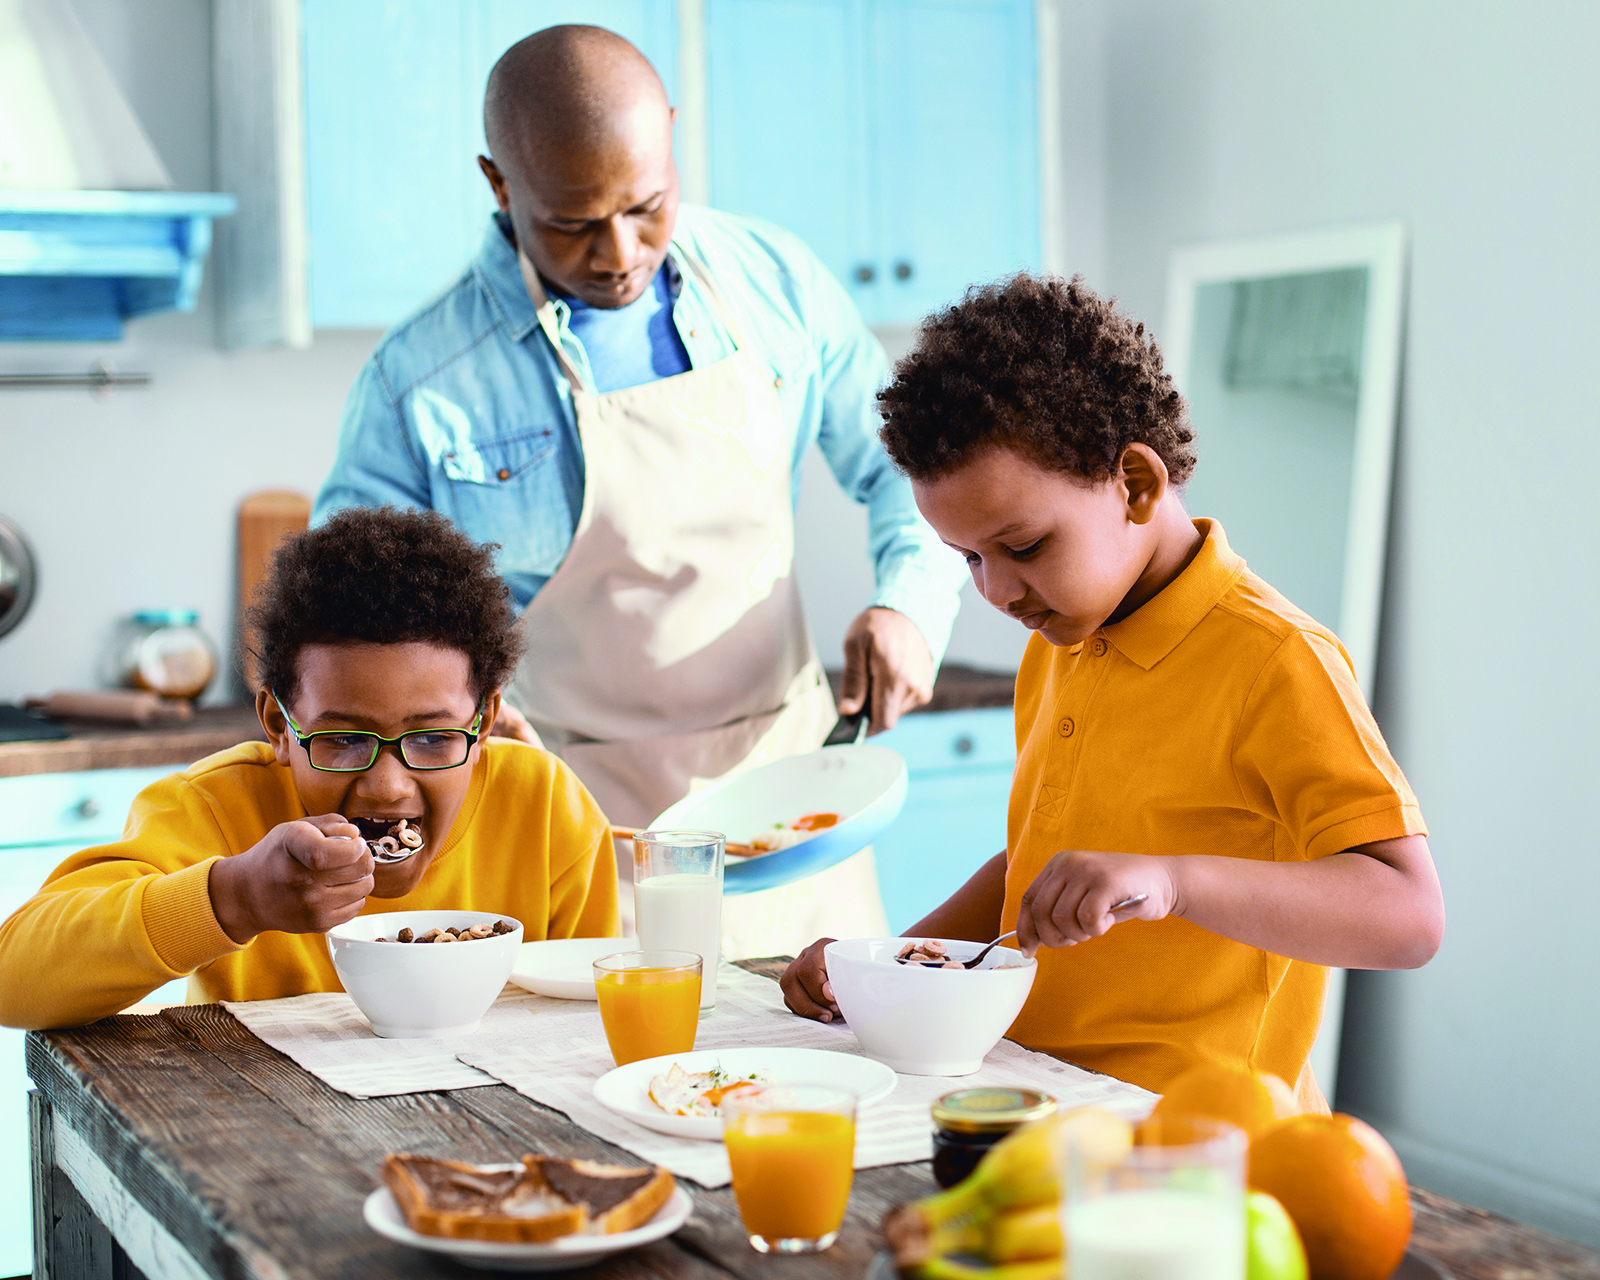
point(959, 765)
point(899, 138)
point(43, 818)
point(394, 126)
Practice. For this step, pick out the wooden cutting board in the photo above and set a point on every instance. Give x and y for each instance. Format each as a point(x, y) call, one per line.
point(265, 519)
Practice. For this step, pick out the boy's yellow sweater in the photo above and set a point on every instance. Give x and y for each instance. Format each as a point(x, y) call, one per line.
point(113, 923)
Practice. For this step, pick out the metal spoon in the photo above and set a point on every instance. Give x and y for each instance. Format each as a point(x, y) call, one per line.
point(977, 959)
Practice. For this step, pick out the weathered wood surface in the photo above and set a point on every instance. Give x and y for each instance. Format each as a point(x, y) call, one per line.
point(259, 1169)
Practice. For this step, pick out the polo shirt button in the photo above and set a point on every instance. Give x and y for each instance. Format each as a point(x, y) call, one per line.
point(503, 474)
point(1067, 727)
point(1099, 647)
point(694, 333)
point(777, 382)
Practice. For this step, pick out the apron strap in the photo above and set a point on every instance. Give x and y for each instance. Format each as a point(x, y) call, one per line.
point(545, 310)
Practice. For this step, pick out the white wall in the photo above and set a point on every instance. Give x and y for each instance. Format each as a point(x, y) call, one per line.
point(1479, 124)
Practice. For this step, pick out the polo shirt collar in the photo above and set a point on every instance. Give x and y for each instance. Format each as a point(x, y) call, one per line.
point(501, 276)
point(1155, 629)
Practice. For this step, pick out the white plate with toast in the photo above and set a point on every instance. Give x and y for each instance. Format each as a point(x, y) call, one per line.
point(565, 1254)
point(626, 1090)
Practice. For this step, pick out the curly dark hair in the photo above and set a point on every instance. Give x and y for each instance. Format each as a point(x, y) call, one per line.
point(1040, 365)
point(384, 576)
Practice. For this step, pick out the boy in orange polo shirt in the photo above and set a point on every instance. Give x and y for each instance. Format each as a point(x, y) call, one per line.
point(1185, 735)
point(383, 638)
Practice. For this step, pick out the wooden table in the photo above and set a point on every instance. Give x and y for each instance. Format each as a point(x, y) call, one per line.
point(179, 1145)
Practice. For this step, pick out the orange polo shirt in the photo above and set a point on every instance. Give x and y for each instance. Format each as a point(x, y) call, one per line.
point(1216, 719)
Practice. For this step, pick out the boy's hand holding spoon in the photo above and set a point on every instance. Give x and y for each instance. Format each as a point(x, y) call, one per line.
point(301, 877)
point(1080, 894)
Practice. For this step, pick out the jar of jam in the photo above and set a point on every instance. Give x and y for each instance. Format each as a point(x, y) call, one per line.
point(968, 1122)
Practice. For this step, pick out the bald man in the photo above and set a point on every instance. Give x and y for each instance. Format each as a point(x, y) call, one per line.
point(619, 392)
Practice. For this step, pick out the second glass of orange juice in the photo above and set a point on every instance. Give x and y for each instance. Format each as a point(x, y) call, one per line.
point(792, 1152)
point(649, 1002)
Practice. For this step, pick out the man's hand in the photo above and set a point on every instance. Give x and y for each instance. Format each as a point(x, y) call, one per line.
point(301, 877)
point(511, 723)
point(1070, 901)
point(805, 985)
point(886, 659)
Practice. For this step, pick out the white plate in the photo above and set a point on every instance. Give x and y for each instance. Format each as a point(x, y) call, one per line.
point(562, 967)
point(626, 1090)
point(865, 785)
point(566, 1254)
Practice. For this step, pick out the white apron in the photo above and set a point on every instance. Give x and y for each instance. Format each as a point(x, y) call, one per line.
point(670, 647)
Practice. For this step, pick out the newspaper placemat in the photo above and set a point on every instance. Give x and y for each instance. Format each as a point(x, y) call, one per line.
point(327, 1035)
point(560, 1071)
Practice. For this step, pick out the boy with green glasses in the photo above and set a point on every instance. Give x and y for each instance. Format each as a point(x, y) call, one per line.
point(382, 641)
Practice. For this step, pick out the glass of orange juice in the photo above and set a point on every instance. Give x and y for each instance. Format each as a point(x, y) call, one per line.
point(649, 1002)
point(792, 1151)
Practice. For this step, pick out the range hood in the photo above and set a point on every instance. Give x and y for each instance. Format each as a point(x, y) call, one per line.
point(90, 232)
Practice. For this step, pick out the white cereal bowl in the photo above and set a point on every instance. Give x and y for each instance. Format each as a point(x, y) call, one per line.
point(412, 992)
point(921, 1021)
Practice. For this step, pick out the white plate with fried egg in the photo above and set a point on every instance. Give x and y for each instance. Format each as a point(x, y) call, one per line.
point(627, 1090)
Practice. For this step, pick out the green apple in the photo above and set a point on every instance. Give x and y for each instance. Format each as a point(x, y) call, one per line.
point(1275, 1249)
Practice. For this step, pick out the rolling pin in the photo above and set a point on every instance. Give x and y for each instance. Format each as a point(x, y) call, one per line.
point(117, 706)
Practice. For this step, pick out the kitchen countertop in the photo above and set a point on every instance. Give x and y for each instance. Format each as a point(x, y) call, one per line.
point(120, 746)
point(103, 746)
point(961, 688)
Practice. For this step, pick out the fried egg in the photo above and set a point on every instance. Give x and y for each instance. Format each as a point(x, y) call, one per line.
point(700, 1093)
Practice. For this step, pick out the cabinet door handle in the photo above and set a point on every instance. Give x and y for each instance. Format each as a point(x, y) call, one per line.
point(88, 808)
point(902, 271)
point(866, 273)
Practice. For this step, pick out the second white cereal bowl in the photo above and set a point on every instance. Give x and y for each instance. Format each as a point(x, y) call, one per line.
point(409, 991)
point(921, 1021)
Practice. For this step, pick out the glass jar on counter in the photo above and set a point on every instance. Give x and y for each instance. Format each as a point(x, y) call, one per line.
point(970, 1121)
point(162, 650)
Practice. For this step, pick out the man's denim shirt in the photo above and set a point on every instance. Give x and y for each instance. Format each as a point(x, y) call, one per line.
point(463, 409)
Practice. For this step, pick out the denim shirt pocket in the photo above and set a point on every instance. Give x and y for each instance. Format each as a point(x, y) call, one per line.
point(510, 491)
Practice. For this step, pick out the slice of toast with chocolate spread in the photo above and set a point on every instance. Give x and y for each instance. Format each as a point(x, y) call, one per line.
point(537, 1201)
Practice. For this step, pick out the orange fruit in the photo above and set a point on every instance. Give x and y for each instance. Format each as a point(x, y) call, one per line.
point(1253, 1102)
point(1344, 1187)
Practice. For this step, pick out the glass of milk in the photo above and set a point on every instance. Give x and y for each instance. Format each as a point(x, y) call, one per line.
point(1171, 1207)
point(677, 898)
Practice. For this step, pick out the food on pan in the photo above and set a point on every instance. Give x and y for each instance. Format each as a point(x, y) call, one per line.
point(700, 1093)
point(542, 1198)
point(783, 836)
point(451, 934)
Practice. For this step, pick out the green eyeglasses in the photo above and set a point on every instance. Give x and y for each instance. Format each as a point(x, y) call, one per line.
point(348, 751)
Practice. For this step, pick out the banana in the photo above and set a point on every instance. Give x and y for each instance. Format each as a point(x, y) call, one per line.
point(950, 1269)
point(1024, 1234)
point(1008, 1209)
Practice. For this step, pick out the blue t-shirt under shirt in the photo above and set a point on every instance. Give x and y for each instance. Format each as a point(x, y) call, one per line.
point(629, 346)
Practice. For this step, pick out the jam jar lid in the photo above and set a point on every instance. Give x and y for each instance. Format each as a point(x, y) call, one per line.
point(991, 1110)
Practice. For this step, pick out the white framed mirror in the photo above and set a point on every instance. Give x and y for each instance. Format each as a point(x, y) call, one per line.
point(1288, 351)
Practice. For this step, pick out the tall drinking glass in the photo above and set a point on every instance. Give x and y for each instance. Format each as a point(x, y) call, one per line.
point(1170, 1207)
point(792, 1152)
point(677, 898)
